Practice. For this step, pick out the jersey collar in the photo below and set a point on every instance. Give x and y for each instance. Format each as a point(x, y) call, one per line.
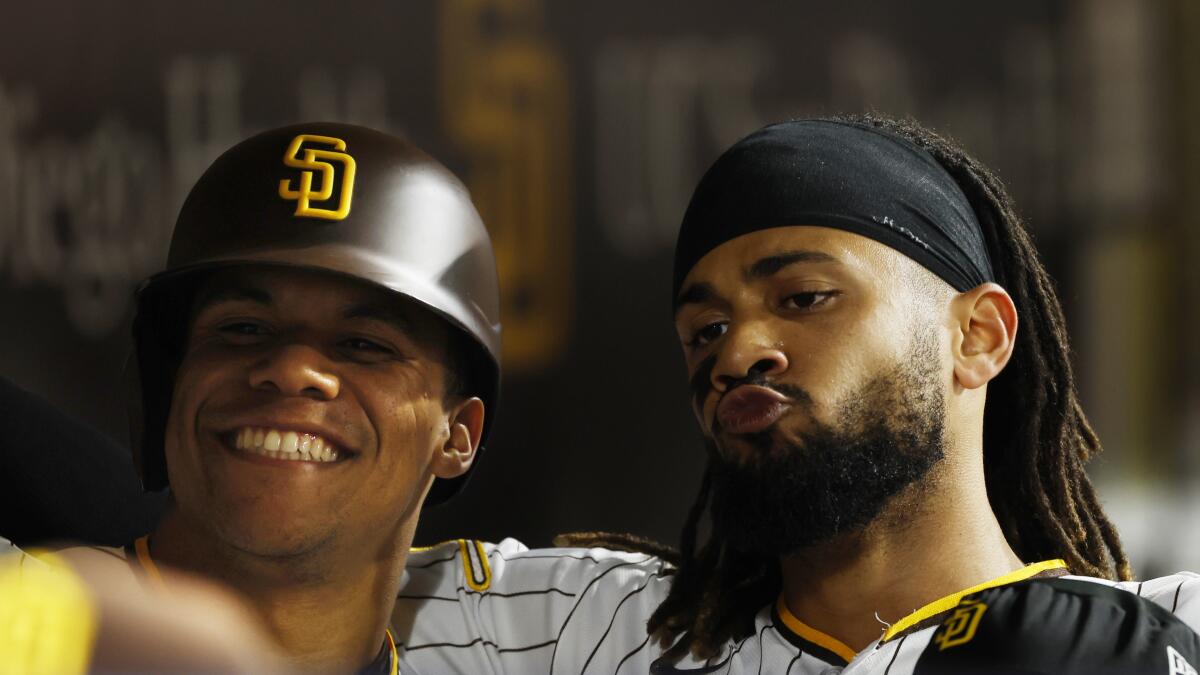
point(829, 645)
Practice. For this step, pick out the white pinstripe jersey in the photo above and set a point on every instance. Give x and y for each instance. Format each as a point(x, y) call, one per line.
point(471, 607)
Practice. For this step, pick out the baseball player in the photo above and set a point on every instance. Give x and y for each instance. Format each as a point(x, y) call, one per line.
point(318, 360)
point(895, 481)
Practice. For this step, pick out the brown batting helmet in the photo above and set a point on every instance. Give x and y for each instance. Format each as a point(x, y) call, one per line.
point(333, 198)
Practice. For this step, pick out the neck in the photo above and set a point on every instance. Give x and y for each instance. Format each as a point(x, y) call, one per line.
point(936, 538)
point(329, 612)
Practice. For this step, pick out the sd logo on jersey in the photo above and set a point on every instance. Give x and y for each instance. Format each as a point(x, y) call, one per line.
point(310, 164)
point(960, 626)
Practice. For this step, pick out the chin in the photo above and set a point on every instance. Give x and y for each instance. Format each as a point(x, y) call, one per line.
point(268, 533)
point(747, 449)
point(269, 540)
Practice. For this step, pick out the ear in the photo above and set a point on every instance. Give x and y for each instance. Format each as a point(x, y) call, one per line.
point(986, 321)
point(455, 456)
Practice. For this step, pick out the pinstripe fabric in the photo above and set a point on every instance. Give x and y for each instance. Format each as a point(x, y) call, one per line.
point(584, 612)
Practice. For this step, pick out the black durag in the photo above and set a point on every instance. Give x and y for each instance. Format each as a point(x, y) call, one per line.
point(843, 175)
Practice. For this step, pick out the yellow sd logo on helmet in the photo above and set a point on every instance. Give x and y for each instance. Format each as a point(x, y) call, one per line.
point(310, 164)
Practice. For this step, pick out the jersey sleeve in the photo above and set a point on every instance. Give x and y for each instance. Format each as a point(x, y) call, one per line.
point(1178, 593)
point(1061, 627)
point(468, 606)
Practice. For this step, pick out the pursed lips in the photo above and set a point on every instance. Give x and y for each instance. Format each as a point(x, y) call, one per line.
point(749, 408)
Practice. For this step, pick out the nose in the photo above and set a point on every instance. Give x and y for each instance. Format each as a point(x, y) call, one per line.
point(747, 353)
point(296, 370)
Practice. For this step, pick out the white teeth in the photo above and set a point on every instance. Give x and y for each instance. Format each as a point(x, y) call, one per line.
point(290, 440)
point(284, 444)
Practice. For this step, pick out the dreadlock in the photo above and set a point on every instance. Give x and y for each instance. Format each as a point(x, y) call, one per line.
point(1036, 443)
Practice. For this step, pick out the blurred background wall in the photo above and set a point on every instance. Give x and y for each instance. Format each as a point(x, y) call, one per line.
point(581, 129)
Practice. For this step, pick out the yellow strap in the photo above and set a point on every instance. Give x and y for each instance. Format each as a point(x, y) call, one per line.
point(47, 617)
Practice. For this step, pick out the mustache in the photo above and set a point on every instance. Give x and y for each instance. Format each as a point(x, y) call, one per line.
point(701, 385)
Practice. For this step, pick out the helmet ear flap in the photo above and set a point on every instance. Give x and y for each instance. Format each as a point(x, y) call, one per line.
point(149, 406)
point(159, 329)
point(135, 411)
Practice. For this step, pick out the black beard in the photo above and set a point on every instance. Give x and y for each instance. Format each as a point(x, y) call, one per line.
point(836, 479)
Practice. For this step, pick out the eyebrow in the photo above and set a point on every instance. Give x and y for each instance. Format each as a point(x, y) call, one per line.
point(234, 294)
point(761, 269)
point(771, 265)
point(364, 310)
point(695, 294)
point(380, 312)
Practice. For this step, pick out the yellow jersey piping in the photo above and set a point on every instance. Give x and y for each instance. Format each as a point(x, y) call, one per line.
point(950, 601)
point(476, 569)
point(142, 547)
point(811, 634)
point(395, 669)
point(946, 603)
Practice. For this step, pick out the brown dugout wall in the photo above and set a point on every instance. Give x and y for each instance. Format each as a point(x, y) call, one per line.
point(581, 129)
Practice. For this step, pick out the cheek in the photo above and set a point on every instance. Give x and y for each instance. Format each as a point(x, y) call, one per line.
point(198, 382)
point(199, 379)
point(831, 363)
point(700, 386)
point(408, 431)
point(182, 452)
point(190, 385)
point(408, 438)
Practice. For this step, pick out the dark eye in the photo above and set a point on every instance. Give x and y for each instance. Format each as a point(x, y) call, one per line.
point(365, 345)
point(240, 328)
point(808, 300)
point(708, 334)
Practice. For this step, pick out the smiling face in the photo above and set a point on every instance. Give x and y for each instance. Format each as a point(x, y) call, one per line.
point(819, 366)
point(308, 410)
